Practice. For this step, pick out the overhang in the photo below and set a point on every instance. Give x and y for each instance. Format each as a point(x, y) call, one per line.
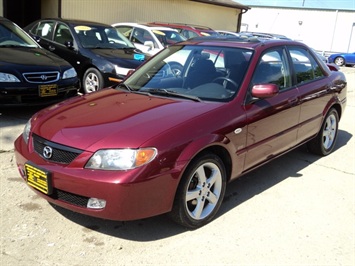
point(226, 3)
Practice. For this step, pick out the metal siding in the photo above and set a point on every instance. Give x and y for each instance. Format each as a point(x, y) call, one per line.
point(324, 30)
point(113, 11)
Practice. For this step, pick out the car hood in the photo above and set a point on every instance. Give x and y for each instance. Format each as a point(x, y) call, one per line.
point(114, 119)
point(30, 57)
point(127, 58)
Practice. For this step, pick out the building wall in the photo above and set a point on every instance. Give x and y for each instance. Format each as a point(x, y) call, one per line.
point(1, 8)
point(324, 30)
point(183, 11)
point(49, 8)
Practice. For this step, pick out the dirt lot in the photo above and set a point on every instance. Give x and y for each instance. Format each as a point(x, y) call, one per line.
point(296, 210)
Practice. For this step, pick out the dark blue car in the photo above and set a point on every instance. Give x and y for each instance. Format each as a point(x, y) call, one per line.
point(342, 59)
point(101, 56)
point(29, 74)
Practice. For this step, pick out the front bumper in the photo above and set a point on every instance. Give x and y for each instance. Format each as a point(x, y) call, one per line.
point(28, 94)
point(128, 196)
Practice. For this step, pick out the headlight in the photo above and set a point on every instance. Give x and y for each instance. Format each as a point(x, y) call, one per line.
point(121, 70)
point(26, 131)
point(121, 159)
point(70, 73)
point(6, 77)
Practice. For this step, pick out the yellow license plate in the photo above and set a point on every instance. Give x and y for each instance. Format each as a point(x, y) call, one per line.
point(48, 90)
point(38, 178)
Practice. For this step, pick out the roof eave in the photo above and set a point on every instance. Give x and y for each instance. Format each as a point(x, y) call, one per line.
point(226, 3)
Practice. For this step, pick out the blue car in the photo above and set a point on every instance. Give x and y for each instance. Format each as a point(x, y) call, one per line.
point(342, 59)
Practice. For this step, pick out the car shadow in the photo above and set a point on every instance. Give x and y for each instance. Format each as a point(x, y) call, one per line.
point(238, 192)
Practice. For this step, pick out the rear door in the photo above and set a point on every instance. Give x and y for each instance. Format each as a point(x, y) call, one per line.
point(273, 122)
point(313, 87)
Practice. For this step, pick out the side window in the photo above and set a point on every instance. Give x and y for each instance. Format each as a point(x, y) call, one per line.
point(62, 34)
point(126, 31)
point(45, 30)
point(305, 66)
point(273, 68)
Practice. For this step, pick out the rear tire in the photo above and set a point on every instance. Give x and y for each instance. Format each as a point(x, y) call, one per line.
point(324, 143)
point(200, 192)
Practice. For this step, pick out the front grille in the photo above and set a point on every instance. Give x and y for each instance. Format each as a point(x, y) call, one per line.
point(41, 77)
point(70, 198)
point(59, 153)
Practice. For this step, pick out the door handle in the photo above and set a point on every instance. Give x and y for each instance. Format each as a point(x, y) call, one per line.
point(51, 48)
point(292, 101)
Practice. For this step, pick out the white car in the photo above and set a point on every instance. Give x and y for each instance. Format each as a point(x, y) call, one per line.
point(228, 33)
point(149, 39)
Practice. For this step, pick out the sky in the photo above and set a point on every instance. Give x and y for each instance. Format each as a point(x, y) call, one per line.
point(324, 4)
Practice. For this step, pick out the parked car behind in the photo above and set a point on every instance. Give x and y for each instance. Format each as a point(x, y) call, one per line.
point(147, 38)
point(29, 74)
point(188, 30)
point(342, 59)
point(228, 33)
point(159, 143)
point(101, 55)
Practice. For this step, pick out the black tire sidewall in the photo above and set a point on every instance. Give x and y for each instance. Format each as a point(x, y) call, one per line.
point(179, 212)
point(316, 145)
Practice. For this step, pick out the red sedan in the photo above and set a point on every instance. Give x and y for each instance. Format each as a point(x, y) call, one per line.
point(166, 143)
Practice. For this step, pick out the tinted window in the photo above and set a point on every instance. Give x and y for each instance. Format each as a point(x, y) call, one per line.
point(101, 37)
point(273, 68)
point(62, 34)
point(305, 66)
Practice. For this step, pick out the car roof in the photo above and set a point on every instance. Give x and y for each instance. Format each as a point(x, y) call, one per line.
point(234, 41)
point(145, 26)
point(77, 22)
point(183, 25)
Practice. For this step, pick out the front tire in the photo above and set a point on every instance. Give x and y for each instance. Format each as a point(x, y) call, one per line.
point(324, 143)
point(92, 80)
point(200, 192)
point(339, 61)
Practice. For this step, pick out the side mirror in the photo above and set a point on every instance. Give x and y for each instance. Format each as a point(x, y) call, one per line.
point(333, 67)
point(263, 91)
point(150, 44)
point(36, 38)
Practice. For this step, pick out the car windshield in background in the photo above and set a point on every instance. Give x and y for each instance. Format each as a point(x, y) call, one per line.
point(167, 37)
point(102, 37)
point(206, 73)
point(12, 36)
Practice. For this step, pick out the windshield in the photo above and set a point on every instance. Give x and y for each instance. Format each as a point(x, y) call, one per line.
point(102, 37)
point(11, 35)
point(168, 37)
point(201, 72)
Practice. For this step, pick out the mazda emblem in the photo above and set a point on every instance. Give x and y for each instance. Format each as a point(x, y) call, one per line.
point(47, 152)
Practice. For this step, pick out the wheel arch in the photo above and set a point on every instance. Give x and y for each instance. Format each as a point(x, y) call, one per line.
point(218, 145)
point(337, 107)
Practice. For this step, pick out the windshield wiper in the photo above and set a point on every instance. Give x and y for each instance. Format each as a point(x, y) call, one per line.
point(124, 85)
point(166, 92)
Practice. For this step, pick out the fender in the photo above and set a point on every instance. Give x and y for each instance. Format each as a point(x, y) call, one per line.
point(215, 141)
